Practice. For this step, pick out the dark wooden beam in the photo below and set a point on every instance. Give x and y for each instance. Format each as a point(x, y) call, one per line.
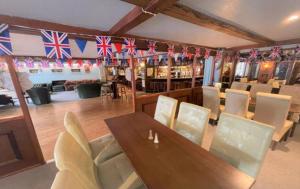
point(188, 14)
point(136, 16)
point(276, 43)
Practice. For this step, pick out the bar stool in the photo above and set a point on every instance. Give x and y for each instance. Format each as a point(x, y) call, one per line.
point(122, 91)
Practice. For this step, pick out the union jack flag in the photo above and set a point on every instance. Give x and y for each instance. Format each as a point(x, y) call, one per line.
point(45, 63)
point(171, 51)
point(152, 47)
point(130, 46)
point(198, 52)
point(104, 47)
point(56, 44)
point(29, 62)
point(297, 50)
point(218, 56)
point(253, 54)
point(207, 53)
point(184, 51)
point(5, 44)
point(275, 52)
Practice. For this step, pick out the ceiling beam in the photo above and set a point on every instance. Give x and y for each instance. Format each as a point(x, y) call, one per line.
point(32, 27)
point(190, 15)
point(137, 16)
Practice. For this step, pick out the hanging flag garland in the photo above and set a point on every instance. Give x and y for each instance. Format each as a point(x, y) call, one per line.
point(218, 55)
point(184, 52)
point(5, 43)
point(207, 53)
point(118, 47)
point(70, 62)
point(29, 62)
point(59, 63)
point(17, 63)
point(79, 62)
point(45, 63)
point(275, 52)
point(56, 44)
point(171, 50)
point(198, 52)
point(253, 54)
point(297, 50)
point(81, 43)
point(104, 47)
point(130, 46)
point(152, 48)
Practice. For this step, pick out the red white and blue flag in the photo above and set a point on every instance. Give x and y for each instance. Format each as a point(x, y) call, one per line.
point(198, 52)
point(5, 43)
point(185, 51)
point(171, 50)
point(29, 62)
point(130, 46)
point(275, 52)
point(104, 47)
point(152, 48)
point(207, 53)
point(253, 54)
point(56, 44)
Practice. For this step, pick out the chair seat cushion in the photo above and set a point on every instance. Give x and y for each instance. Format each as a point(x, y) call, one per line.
point(279, 134)
point(111, 149)
point(115, 171)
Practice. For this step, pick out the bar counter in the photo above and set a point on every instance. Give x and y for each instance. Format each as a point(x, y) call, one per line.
point(160, 84)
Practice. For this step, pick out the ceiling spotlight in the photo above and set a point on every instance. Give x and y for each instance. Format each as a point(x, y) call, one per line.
point(293, 18)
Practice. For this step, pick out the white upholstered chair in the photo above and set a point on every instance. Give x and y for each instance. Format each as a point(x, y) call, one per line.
point(242, 142)
point(239, 86)
point(272, 109)
point(237, 103)
point(211, 101)
point(165, 110)
point(291, 90)
point(111, 174)
point(258, 87)
point(192, 122)
point(99, 150)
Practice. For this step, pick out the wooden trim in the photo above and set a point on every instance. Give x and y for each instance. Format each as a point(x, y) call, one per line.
point(24, 108)
point(194, 71)
point(133, 82)
point(169, 74)
point(136, 16)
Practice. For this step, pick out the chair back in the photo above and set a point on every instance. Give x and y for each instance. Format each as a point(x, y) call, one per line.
point(74, 128)
point(242, 142)
point(272, 109)
point(192, 122)
point(291, 90)
point(69, 155)
point(211, 100)
point(259, 87)
point(39, 95)
point(67, 180)
point(239, 86)
point(237, 102)
point(165, 110)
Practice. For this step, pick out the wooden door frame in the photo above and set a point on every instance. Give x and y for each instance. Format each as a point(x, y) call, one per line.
point(24, 108)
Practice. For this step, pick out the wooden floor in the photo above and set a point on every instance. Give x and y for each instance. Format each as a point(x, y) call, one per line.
point(48, 119)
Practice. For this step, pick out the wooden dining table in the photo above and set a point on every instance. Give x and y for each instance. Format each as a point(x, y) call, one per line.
point(174, 162)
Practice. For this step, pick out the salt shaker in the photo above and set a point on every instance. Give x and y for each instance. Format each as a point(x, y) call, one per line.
point(150, 137)
point(156, 141)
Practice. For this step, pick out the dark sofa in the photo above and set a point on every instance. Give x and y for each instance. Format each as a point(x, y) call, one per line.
point(88, 90)
point(39, 95)
point(5, 100)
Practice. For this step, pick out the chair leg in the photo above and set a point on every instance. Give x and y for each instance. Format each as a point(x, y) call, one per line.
point(273, 145)
point(293, 130)
point(286, 136)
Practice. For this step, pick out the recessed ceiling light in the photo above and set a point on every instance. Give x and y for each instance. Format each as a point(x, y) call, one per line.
point(293, 18)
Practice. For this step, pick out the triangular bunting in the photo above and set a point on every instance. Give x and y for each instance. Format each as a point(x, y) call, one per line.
point(81, 43)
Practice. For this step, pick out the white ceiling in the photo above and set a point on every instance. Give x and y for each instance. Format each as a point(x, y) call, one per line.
point(93, 14)
point(165, 27)
point(266, 17)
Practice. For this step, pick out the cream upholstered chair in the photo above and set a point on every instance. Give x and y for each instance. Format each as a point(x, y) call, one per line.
point(239, 86)
point(272, 109)
point(113, 173)
point(99, 150)
point(211, 101)
point(67, 180)
point(258, 87)
point(165, 110)
point(192, 122)
point(237, 103)
point(242, 142)
point(291, 90)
